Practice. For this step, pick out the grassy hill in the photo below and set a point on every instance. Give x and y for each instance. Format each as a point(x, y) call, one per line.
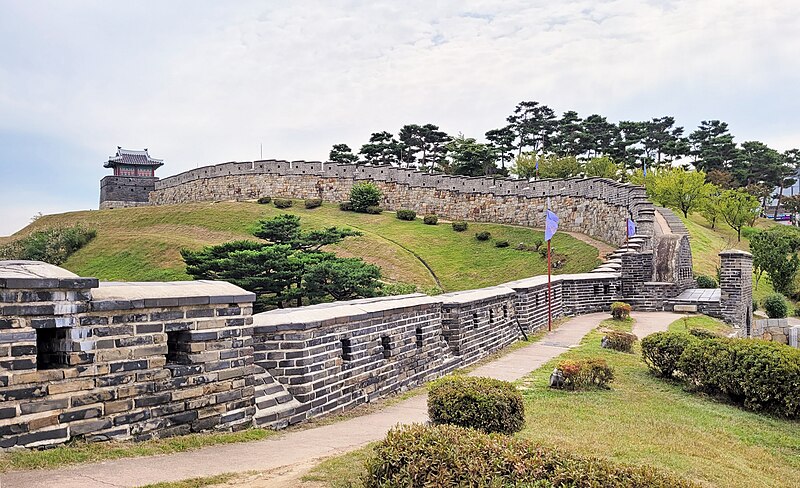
point(707, 243)
point(143, 244)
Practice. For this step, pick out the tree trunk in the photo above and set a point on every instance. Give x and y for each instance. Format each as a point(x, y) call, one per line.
point(777, 206)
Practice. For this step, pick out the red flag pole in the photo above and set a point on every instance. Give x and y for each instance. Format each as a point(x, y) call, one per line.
point(549, 292)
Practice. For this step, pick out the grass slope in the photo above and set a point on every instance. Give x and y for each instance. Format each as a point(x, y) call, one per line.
point(642, 420)
point(143, 244)
point(707, 243)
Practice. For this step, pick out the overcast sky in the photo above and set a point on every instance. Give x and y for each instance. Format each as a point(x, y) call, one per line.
point(200, 82)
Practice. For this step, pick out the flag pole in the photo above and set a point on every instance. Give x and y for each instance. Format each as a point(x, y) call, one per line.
point(549, 292)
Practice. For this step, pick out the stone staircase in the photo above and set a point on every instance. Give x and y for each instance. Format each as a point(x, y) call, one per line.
point(274, 404)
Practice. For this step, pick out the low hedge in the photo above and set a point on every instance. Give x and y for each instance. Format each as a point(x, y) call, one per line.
point(483, 236)
point(459, 226)
point(502, 243)
point(282, 202)
point(447, 456)
point(485, 404)
point(404, 214)
point(430, 220)
point(662, 351)
point(313, 203)
point(264, 200)
point(618, 341)
point(373, 210)
point(346, 206)
point(759, 375)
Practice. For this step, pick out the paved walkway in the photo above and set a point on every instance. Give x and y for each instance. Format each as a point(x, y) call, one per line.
point(301, 447)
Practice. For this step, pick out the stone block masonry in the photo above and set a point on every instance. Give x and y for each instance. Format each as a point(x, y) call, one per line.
point(120, 361)
point(125, 191)
point(593, 206)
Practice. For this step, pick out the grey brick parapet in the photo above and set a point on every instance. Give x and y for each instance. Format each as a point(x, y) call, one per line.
point(736, 285)
point(80, 359)
point(125, 191)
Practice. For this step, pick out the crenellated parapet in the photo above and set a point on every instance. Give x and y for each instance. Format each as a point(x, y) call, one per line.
point(597, 207)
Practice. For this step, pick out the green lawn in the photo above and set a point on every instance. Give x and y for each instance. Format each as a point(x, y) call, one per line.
point(642, 420)
point(143, 244)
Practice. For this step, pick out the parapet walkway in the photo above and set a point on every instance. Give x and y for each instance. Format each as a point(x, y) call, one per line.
point(305, 447)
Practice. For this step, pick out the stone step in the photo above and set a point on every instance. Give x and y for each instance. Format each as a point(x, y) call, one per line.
point(274, 404)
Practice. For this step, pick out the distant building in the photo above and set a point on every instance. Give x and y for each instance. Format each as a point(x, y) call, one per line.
point(133, 163)
point(133, 179)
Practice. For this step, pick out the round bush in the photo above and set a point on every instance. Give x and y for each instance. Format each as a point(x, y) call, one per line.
point(662, 351)
point(483, 236)
point(365, 195)
point(403, 214)
point(373, 210)
point(459, 226)
point(447, 456)
point(264, 200)
point(618, 341)
point(479, 403)
point(346, 206)
point(430, 220)
point(620, 310)
point(503, 243)
point(282, 202)
point(704, 281)
point(313, 203)
point(585, 373)
point(775, 306)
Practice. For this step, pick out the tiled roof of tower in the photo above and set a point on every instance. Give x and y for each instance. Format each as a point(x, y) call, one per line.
point(128, 156)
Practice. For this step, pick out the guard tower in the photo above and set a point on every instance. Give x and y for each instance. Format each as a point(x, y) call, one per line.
point(133, 179)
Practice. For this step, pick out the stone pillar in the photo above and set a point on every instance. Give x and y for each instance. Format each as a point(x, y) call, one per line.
point(736, 283)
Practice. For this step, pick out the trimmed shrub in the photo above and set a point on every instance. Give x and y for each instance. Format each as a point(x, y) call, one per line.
point(775, 306)
point(430, 220)
point(282, 202)
point(444, 456)
point(501, 243)
point(485, 404)
point(797, 312)
point(365, 195)
point(704, 281)
point(373, 210)
point(459, 226)
point(483, 235)
point(313, 203)
point(618, 341)
point(620, 310)
point(703, 333)
point(662, 351)
point(760, 375)
point(586, 373)
point(537, 243)
point(264, 200)
point(755, 305)
point(346, 206)
point(406, 214)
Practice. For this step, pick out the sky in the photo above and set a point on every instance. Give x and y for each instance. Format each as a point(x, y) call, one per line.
point(203, 82)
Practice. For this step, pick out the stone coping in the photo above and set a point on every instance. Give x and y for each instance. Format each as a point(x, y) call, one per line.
point(123, 296)
point(313, 316)
point(735, 252)
point(472, 296)
point(38, 275)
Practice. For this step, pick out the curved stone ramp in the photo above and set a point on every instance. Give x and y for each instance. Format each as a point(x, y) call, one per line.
point(300, 450)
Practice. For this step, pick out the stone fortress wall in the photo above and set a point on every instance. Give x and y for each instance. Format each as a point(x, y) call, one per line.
point(593, 206)
point(82, 359)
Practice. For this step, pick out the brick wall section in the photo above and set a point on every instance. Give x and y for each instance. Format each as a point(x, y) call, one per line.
point(736, 285)
point(125, 191)
point(332, 357)
point(479, 322)
point(104, 368)
point(594, 206)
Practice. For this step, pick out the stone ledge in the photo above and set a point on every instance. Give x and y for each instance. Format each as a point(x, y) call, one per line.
point(125, 296)
point(39, 275)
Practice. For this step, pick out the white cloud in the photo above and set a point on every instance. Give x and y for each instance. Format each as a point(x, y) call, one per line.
point(203, 82)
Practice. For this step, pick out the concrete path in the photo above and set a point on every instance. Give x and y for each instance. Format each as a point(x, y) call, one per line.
point(650, 322)
point(301, 447)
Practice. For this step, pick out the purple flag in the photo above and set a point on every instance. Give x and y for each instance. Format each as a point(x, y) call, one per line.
point(550, 225)
point(631, 228)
